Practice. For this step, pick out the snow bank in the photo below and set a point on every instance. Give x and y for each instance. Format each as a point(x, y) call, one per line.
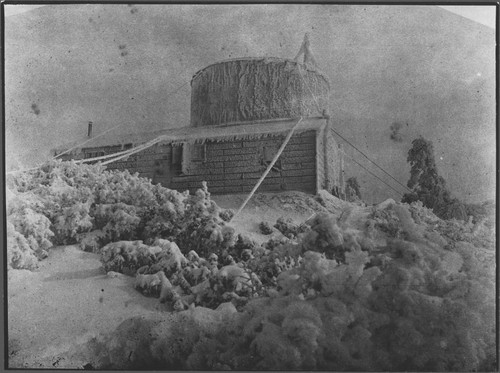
point(386, 287)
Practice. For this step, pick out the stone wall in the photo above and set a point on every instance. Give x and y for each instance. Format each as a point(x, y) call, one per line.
point(154, 163)
point(228, 166)
point(236, 166)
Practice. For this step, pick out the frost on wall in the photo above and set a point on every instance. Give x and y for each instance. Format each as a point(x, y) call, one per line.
point(256, 89)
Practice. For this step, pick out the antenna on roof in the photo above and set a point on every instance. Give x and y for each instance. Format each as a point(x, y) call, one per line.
point(305, 49)
point(89, 132)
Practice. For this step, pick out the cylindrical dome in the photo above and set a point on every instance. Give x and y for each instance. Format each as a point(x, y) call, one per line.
point(253, 89)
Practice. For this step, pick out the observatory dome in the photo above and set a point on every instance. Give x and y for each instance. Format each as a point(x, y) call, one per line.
point(255, 89)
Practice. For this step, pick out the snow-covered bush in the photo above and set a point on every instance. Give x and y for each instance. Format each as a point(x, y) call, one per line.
point(226, 214)
point(205, 235)
point(164, 342)
point(403, 290)
point(128, 256)
point(325, 237)
point(288, 228)
point(28, 231)
point(118, 221)
point(342, 301)
point(149, 284)
point(19, 253)
point(92, 241)
point(163, 271)
point(265, 228)
point(72, 221)
point(62, 202)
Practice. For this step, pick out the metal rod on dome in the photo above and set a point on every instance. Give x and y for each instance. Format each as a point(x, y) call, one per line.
point(269, 167)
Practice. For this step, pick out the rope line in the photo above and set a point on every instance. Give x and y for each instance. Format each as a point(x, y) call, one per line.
point(103, 133)
point(347, 141)
point(137, 149)
point(93, 138)
point(384, 171)
point(115, 156)
point(269, 167)
point(87, 141)
point(371, 173)
point(112, 155)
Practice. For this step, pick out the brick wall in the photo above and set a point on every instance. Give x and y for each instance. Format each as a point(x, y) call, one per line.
point(229, 166)
point(154, 162)
point(236, 166)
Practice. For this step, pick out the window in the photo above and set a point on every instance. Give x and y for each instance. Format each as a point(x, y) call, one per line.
point(199, 152)
point(177, 159)
point(269, 152)
point(93, 154)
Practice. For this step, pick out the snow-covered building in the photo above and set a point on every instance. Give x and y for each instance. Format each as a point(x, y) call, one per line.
point(242, 111)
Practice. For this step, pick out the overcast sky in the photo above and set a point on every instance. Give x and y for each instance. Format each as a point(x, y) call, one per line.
point(408, 65)
point(482, 14)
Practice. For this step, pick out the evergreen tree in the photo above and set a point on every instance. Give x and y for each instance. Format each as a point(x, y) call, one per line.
point(426, 184)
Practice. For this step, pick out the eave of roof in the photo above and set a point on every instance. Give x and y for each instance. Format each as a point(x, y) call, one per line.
point(230, 131)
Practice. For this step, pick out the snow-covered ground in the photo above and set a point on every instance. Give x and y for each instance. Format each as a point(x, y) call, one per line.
point(55, 311)
point(60, 315)
point(63, 304)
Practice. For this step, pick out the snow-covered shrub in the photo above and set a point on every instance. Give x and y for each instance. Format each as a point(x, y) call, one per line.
point(79, 198)
point(128, 256)
point(92, 241)
point(166, 341)
point(160, 221)
point(118, 221)
point(402, 303)
point(268, 264)
point(19, 253)
point(406, 291)
point(192, 221)
point(170, 259)
point(480, 231)
point(325, 237)
point(244, 248)
point(226, 214)
point(61, 201)
point(265, 228)
point(71, 221)
point(149, 284)
point(62, 194)
point(288, 228)
point(34, 227)
point(123, 187)
point(205, 235)
point(387, 221)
